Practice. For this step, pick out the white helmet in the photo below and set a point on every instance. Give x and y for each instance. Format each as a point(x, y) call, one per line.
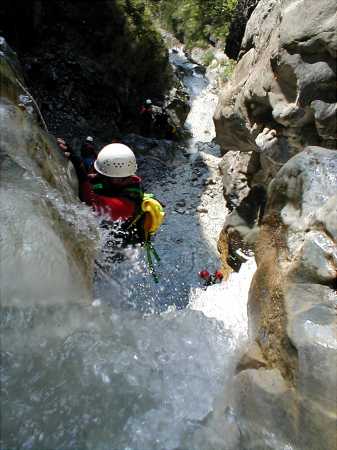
point(116, 161)
point(148, 101)
point(89, 139)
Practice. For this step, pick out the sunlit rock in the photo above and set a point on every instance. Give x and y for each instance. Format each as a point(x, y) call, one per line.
point(292, 311)
point(284, 80)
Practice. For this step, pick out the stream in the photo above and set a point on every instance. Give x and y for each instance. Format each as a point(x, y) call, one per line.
point(146, 366)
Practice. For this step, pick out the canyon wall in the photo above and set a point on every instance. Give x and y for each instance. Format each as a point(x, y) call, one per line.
point(276, 124)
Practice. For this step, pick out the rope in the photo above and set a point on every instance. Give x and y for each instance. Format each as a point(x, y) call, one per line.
point(150, 251)
point(35, 104)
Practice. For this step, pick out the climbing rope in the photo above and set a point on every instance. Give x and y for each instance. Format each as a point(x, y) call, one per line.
point(34, 103)
point(151, 252)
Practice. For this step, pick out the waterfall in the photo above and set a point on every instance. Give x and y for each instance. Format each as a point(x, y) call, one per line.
point(145, 366)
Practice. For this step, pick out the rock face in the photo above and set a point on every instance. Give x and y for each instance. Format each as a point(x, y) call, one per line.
point(284, 81)
point(276, 123)
point(292, 399)
point(282, 96)
point(49, 238)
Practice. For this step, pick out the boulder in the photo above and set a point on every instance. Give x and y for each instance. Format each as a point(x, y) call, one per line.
point(291, 398)
point(236, 169)
point(280, 106)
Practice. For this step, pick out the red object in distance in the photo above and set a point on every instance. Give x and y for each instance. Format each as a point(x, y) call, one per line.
point(204, 274)
point(218, 275)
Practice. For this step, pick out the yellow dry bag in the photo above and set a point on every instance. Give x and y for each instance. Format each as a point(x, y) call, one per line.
point(154, 214)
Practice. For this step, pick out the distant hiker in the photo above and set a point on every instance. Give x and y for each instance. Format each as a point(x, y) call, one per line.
point(88, 153)
point(147, 116)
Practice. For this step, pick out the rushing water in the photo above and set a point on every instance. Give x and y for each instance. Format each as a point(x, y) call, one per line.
point(146, 366)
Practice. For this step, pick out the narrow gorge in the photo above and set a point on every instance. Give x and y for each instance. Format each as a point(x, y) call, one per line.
point(94, 353)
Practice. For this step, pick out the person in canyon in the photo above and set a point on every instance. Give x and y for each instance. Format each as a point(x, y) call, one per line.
point(115, 170)
point(88, 153)
point(147, 116)
point(114, 187)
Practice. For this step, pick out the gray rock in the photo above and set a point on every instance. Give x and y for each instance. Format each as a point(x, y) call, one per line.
point(286, 67)
point(202, 210)
point(279, 105)
point(181, 203)
point(292, 311)
point(236, 168)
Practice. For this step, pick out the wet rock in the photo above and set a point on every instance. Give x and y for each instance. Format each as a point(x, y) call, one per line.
point(236, 169)
point(50, 235)
point(252, 359)
point(212, 181)
point(166, 153)
point(202, 210)
point(197, 160)
point(292, 309)
point(177, 105)
point(280, 99)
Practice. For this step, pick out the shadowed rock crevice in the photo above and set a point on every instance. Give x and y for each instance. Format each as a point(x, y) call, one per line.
point(90, 66)
point(268, 316)
point(244, 10)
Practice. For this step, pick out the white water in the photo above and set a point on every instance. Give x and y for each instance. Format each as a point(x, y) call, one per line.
point(137, 370)
point(203, 99)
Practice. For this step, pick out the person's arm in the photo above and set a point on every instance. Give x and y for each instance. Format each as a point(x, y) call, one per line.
point(79, 166)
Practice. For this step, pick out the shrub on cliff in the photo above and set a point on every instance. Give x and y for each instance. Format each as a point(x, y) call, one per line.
point(196, 22)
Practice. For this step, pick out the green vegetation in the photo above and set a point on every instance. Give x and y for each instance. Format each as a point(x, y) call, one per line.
point(139, 48)
point(208, 57)
point(229, 69)
point(195, 22)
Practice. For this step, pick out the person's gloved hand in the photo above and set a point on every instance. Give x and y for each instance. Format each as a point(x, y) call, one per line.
point(63, 147)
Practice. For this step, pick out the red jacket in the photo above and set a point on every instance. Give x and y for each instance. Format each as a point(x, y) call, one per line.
point(120, 200)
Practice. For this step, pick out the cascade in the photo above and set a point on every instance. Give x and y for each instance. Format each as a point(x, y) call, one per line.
point(144, 366)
